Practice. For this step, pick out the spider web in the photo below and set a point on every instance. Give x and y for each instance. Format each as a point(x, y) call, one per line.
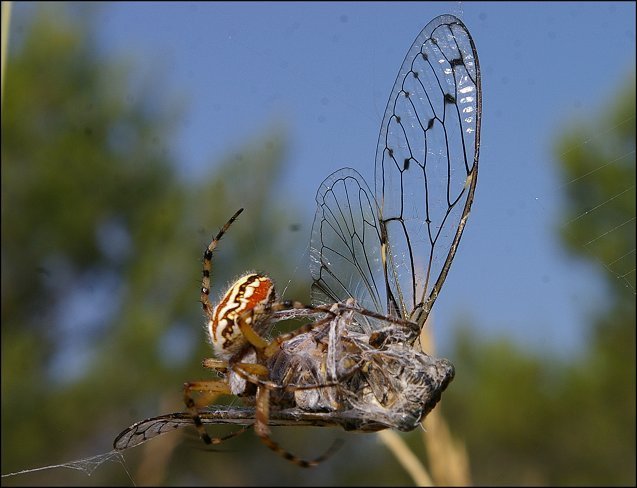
point(610, 245)
point(86, 465)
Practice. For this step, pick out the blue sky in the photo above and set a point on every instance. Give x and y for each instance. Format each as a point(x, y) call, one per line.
point(324, 72)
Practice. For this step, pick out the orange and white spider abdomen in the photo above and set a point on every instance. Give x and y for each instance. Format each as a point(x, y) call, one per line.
point(248, 292)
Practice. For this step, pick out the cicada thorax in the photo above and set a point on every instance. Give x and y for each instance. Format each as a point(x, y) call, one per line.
point(251, 292)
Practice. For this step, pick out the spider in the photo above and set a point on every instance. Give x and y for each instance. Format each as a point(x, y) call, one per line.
point(234, 326)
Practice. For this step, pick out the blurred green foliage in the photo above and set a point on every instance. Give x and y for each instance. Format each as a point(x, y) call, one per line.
point(101, 246)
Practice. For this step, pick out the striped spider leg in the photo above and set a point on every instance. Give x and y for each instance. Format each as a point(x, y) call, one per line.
point(234, 328)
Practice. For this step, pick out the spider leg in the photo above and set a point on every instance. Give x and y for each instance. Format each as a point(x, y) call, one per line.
point(257, 374)
point(209, 391)
point(409, 330)
point(263, 431)
point(216, 364)
point(207, 266)
point(218, 440)
point(245, 320)
point(369, 313)
point(252, 372)
point(275, 345)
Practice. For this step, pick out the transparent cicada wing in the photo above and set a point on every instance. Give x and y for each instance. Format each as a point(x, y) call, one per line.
point(345, 247)
point(391, 251)
point(148, 429)
point(427, 163)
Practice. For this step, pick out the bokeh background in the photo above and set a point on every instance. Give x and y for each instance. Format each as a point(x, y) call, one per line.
point(132, 131)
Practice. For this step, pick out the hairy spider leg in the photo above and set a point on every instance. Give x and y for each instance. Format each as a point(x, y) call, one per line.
point(209, 391)
point(262, 429)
